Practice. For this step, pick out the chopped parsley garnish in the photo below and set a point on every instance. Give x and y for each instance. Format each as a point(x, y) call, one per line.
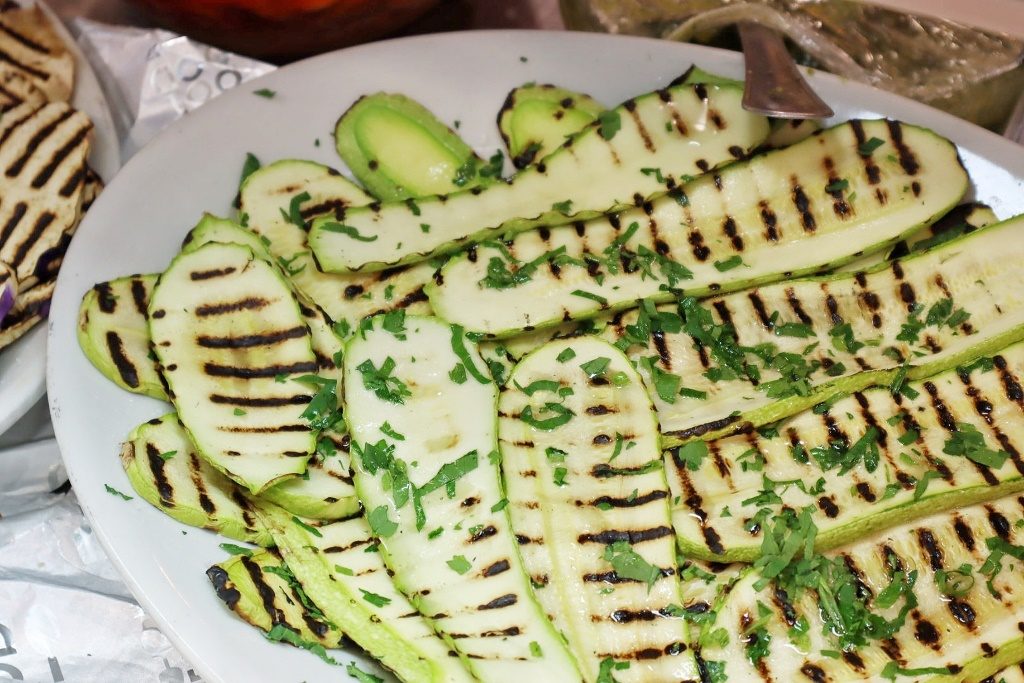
point(967, 441)
point(335, 226)
point(539, 385)
point(311, 529)
point(865, 450)
point(458, 374)
point(459, 564)
point(868, 146)
point(236, 549)
point(563, 207)
point(609, 123)
point(382, 383)
point(628, 564)
point(565, 354)
point(280, 633)
point(729, 263)
point(460, 350)
point(239, 412)
point(374, 599)
point(559, 476)
point(998, 549)
point(666, 384)
point(922, 483)
point(500, 276)
point(692, 455)
point(388, 430)
point(955, 583)
point(838, 185)
point(363, 677)
point(322, 411)
point(500, 505)
point(843, 339)
point(559, 415)
point(249, 166)
point(590, 295)
point(167, 455)
point(604, 672)
point(266, 93)
point(294, 213)
point(424, 227)
point(596, 367)
point(114, 492)
point(893, 669)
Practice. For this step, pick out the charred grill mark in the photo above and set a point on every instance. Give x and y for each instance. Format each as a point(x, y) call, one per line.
point(196, 475)
point(251, 303)
point(762, 312)
point(701, 429)
point(795, 305)
point(497, 568)
point(216, 370)
point(865, 492)
point(658, 337)
point(696, 240)
point(412, 297)
point(964, 533)
point(613, 578)
point(224, 588)
point(270, 402)
point(271, 429)
point(38, 229)
point(481, 534)
point(60, 155)
point(19, 211)
point(723, 311)
point(813, 672)
point(33, 144)
point(785, 607)
point(839, 205)
point(1011, 387)
point(770, 221)
point(352, 291)
point(854, 660)
point(864, 592)
point(983, 407)
point(156, 468)
point(72, 183)
point(627, 502)
point(498, 603)
point(926, 540)
point(906, 157)
point(907, 295)
point(828, 506)
point(140, 297)
point(999, 523)
point(729, 227)
point(23, 39)
point(948, 423)
point(720, 463)
point(926, 633)
point(125, 368)
point(632, 536)
point(211, 274)
point(803, 205)
point(870, 168)
point(641, 129)
point(251, 340)
point(962, 612)
point(265, 591)
point(940, 282)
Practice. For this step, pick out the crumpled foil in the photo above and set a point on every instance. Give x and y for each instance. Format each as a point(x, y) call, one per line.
point(967, 72)
point(65, 614)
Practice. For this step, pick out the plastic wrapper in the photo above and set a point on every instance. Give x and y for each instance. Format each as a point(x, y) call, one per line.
point(65, 614)
point(970, 73)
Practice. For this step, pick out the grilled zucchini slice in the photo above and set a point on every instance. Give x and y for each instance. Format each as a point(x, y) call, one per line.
point(399, 150)
point(601, 169)
point(841, 333)
point(167, 472)
point(433, 495)
point(114, 336)
point(225, 327)
point(535, 120)
point(589, 502)
point(958, 630)
point(267, 196)
point(340, 570)
point(864, 463)
point(786, 212)
point(325, 491)
point(260, 588)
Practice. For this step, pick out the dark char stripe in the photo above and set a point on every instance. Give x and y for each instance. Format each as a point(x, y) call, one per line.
point(216, 370)
point(251, 340)
point(248, 304)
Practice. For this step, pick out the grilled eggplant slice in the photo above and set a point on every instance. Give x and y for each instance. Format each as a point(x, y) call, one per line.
point(433, 494)
point(399, 150)
point(590, 504)
point(225, 328)
point(113, 333)
point(750, 358)
point(17, 88)
point(266, 200)
point(786, 212)
point(602, 168)
point(43, 153)
point(341, 572)
point(30, 45)
point(260, 588)
point(167, 472)
point(535, 120)
point(961, 613)
point(31, 307)
point(865, 462)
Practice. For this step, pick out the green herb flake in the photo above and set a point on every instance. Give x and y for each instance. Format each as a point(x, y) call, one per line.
point(459, 564)
point(363, 677)
point(380, 524)
point(167, 455)
point(609, 123)
point(265, 93)
point(535, 650)
point(281, 633)
point(837, 185)
point(565, 354)
point(563, 207)
point(374, 599)
point(868, 146)
point(239, 412)
point(114, 492)
point(500, 505)
point(596, 367)
point(236, 549)
point(729, 263)
point(249, 166)
point(692, 455)
point(341, 228)
point(382, 383)
point(388, 430)
point(590, 295)
point(628, 564)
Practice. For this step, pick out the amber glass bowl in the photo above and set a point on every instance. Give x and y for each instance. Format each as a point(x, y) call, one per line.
point(282, 30)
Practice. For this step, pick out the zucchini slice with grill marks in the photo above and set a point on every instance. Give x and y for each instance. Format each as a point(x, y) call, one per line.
point(783, 213)
point(167, 472)
point(260, 588)
point(590, 504)
point(426, 470)
point(342, 573)
point(602, 167)
point(267, 197)
point(957, 629)
point(535, 120)
point(325, 491)
point(829, 335)
point(398, 149)
point(113, 334)
point(866, 462)
point(225, 326)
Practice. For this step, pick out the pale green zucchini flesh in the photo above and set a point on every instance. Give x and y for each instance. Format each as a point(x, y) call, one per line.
point(113, 335)
point(786, 132)
point(317, 190)
point(341, 571)
point(167, 472)
point(670, 134)
point(973, 275)
point(225, 328)
point(891, 445)
point(260, 589)
point(590, 504)
point(398, 149)
point(434, 496)
point(535, 120)
point(805, 208)
point(966, 636)
point(325, 491)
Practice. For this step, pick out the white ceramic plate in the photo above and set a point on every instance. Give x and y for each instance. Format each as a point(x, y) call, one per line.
point(23, 363)
point(139, 222)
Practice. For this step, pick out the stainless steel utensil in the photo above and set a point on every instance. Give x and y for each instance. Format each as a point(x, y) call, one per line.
point(773, 84)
